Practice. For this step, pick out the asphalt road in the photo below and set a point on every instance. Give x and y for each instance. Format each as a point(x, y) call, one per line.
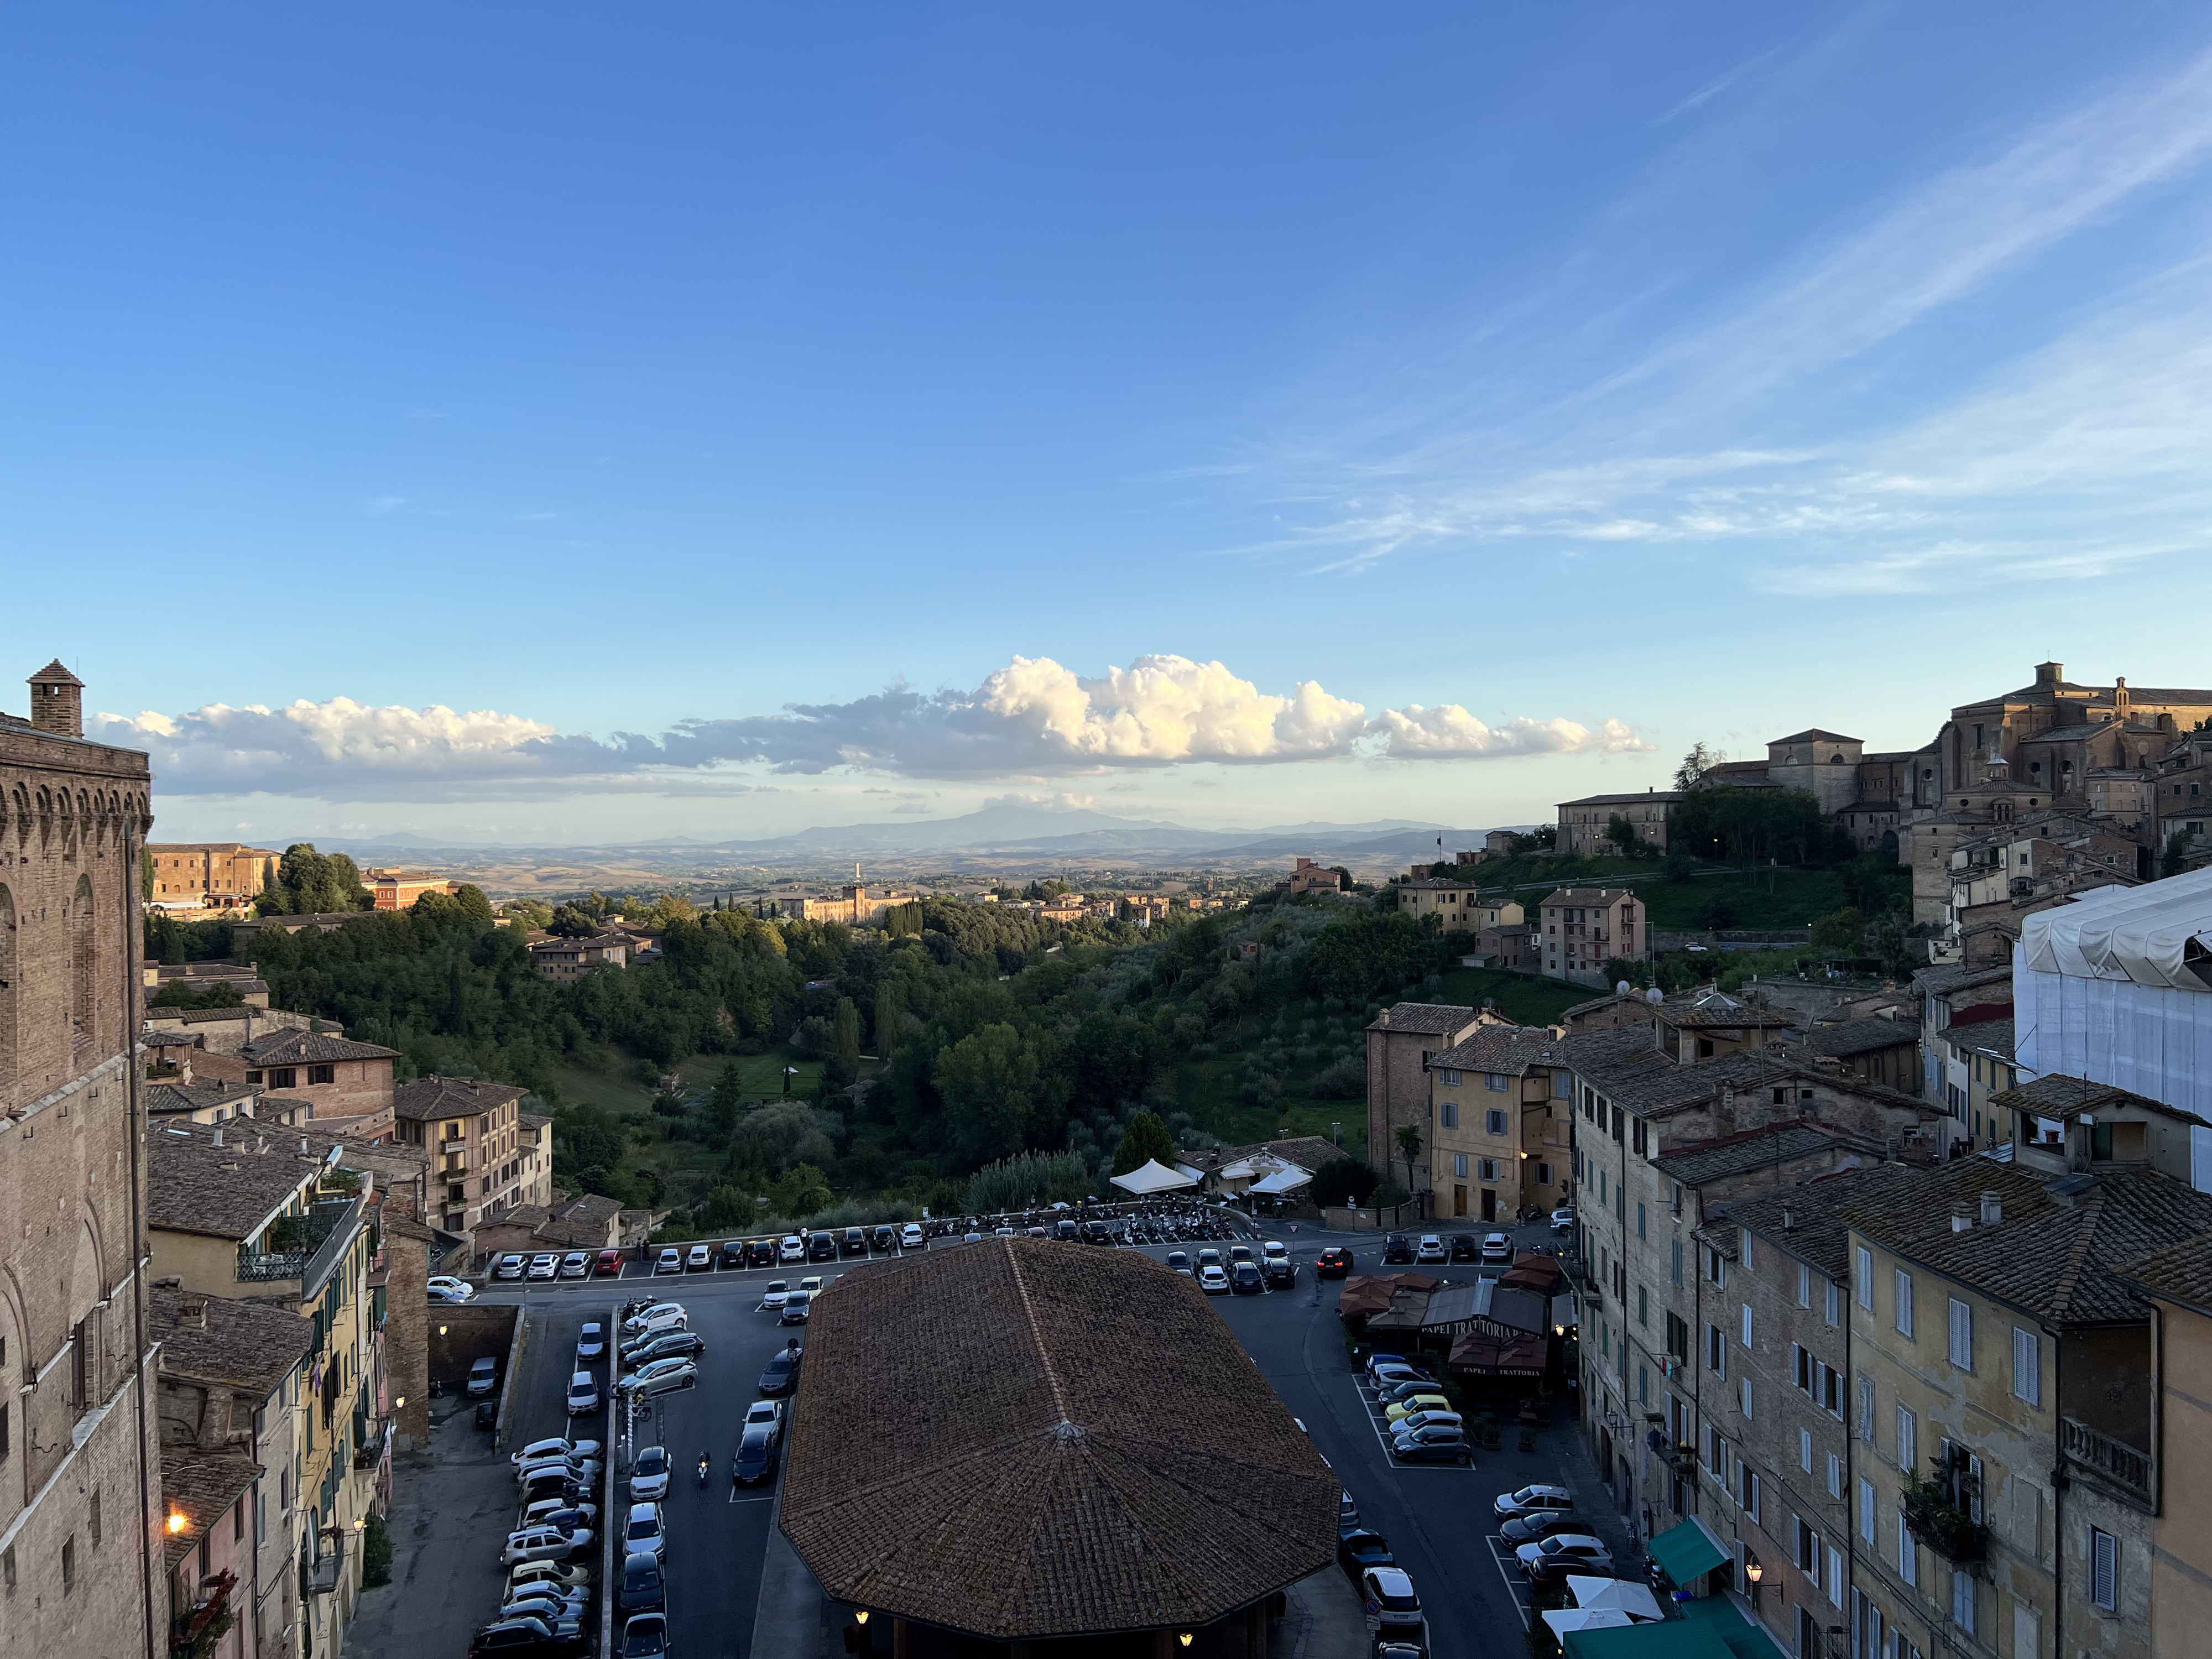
point(1438, 1517)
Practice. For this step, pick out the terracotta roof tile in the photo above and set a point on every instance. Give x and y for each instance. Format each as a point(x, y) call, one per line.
point(1431, 1018)
point(431, 1098)
point(1862, 1037)
point(201, 1486)
point(243, 1345)
point(310, 1049)
point(1507, 1050)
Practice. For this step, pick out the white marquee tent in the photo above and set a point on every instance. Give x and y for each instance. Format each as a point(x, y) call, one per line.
point(1155, 1176)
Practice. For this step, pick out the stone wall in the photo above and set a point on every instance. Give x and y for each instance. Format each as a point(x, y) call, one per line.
point(460, 1336)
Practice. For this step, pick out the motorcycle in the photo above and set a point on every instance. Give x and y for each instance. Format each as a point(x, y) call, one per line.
point(704, 1463)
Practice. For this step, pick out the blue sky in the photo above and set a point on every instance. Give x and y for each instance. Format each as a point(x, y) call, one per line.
point(1237, 415)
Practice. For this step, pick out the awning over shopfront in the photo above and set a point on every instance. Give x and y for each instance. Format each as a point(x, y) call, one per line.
point(1562, 1619)
point(1620, 1595)
point(1685, 1553)
point(1288, 1179)
point(1154, 1176)
point(1477, 1354)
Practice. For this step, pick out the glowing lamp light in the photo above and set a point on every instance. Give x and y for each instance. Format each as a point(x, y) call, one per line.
point(398, 1403)
point(1754, 1573)
point(1184, 1639)
point(860, 1617)
point(441, 1330)
point(177, 1523)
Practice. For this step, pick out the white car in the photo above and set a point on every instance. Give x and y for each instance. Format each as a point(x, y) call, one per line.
point(671, 1262)
point(583, 1471)
point(793, 1249)
point(1575, 1546)
point(441, 1298)
point(1432, 1248)
point(700, 1258)
point(643, 1533)
point(560, 1577)
point(648, 1476)
point(1534, 1500)
point(583, 1394)
point(541, 1451)
point(543, 1267)
point(577, 1264)
point(458, 1289)
point(911, 1238)
point(508, 1267)
point(763, 1413)
point(1497, 1250)
point(1213, 1281)
point(661, 1377)
point(559, 1512)
point(544, 1544)
point(772, 1298)
point(1562, 1220)
point(661, 1316)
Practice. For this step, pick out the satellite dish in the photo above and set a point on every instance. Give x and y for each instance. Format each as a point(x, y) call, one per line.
point(1621, 987)
point(1655, 996)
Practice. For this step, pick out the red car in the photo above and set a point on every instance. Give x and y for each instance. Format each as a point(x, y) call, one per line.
point(609, 1264)
point(1334, 1262)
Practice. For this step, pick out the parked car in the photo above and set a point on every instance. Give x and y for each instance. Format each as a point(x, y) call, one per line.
point(643, 1589)
point(608, 1264)
point(483, 1377)
point(1550, 1560)
point(583, 1394)
point(1535, 1528)
point(660, 1377)
point(592, 1341)
point(583, 1471)
point(1213, 1281)
point(527, 1638)
point(733, 1255)
point(1358, 1550)
point(1397, 1248)
point(487, 1415)
point(538, 1450)
point(567, 1517)
point(577, 1264)
point(648, 1476)
point(1348, 1514)
point(555, 1483)
point(810, 1285)
point(796, 1307)
point(1334, 1262)
point(1179, 1262)
point(560, 1575)
point(1534, 1500)
point(1430, 1416)
point(761, 1253)
point(856, 1241)
point(1431, 1249)
point(1379, 1362)
point(544, 1265)
point(1239, 1252)
point(1064, 1230)
point(765, 1414)
point(884, 1239)
point(1464, 1247)
point(1563, 1218)
point(1398, 1410)
point(661, 1317)
point(666, 1345)
point(670, 1260)
point(756, 1458)
point(509, 1266)
point(821, 1247)
point(1496, 1251)
point(643, 1533)
point(1440, 1443)
point(1275, 1261)
point(1388, 1595)
point(1386, 1376)
point(645, 1636)
point(442, 1297)
point(699, 1259)
point(544, 1544)
point(1396, 1391)
point(793, 1249)
point(911, 1237)
point(782, 1373)
point(545, 1602)
point(460, 1289)
point(1245, 1279)
point(772, 1298)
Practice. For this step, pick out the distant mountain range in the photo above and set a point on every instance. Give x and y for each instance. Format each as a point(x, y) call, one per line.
point(1005, 830)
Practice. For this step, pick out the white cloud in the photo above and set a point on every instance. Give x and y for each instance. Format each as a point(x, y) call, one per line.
point(1031, 719)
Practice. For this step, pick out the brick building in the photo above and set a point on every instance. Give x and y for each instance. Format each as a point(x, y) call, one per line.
point(1583, 928)
point(212, 875)
point(1400, 1040)
point(1501, 1121)
point(79, 1555)
point(399, 890)
point(563, 960)
point(472, 1134)
point(340, 1079)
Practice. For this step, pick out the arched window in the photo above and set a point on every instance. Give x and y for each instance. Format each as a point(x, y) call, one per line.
point(8, 983)
point(81, 968)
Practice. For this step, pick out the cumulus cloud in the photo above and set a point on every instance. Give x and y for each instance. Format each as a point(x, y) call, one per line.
point(1032, 717)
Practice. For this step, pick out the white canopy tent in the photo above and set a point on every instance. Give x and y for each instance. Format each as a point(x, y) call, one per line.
point(1288, 1179)
point(1562, 1619)
point(1155, 1176)
point(1630, 1600)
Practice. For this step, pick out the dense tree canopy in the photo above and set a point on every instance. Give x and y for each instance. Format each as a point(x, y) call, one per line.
point(309, 883)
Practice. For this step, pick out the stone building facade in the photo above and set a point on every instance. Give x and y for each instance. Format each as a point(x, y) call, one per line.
point(1400, 1040)
point(1501, 1119)
point(471, 1133)
point(213, 875)
point(81, 1565)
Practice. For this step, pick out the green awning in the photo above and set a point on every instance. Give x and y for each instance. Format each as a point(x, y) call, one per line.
point(1674, 1638)
point(1689, 1552)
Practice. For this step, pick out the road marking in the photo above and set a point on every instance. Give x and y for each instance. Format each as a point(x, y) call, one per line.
point(758, 1497)
point(1509, 1570)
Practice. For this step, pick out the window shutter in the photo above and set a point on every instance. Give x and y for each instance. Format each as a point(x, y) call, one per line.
point(1904, 1303)
point(1866, 1279)
point(1962, 1335)
point(1865, 1510)
point(1746, 1324)
point(2026, 1366)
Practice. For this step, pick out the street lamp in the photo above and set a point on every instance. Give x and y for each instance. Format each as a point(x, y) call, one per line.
point(1753, 1572)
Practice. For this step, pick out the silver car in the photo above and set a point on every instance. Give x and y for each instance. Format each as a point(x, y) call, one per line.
point(661, 1377)
point(583, 1394)
point(643, 1534)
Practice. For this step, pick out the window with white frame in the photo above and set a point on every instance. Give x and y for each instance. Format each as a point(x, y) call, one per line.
point(1904, 1281)
point(1834, 1586)
point(1833, 1299)
point(1835, 1475)
point(1866, 1279)
point(1804, 1285)
point(1496, 1082)
point(1743, 1247)
point(1747, 1396)
point(1962, 1334)
point(1716, 1351)
point(1805, 1450)
point(1908, 1553)
point(1867, 1511)
point(2104, 1570)
point(1962, 1600)
point(1746, 1324)
point(1866, 1409)
point(2026, 1366)
point(1908, 1441)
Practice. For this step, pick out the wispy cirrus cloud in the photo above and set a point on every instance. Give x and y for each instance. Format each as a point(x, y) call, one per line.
point(1032, 717)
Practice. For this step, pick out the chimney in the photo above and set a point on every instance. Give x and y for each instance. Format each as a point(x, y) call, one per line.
point(1962, 1219)
point(184, 1067)
point(57, 701)
point(1789, 1220)
point(193, 1312)
point(218, 1134)
point(214, 1416)
point(1992, 1209)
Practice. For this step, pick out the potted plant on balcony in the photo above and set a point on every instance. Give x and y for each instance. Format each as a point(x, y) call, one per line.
point(1939, 1510)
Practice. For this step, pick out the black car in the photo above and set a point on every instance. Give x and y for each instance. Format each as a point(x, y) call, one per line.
point(733, 1254)
point(885, 1239)
point(856, 1241)
point(1064, 1229)
point(643, 1588)
point(487, 1415)
point(1548, 1570)
point(1528, 1528)
point(528, 1639)
point(782, 1373)
point(1246, 1280)
point(821, 1247)
point(1357, 1551)
point(756, 1459)
point(1465, 1246)
point(1095, 1232)
point(1397, 1248)
point(1439, 1449)
point(669, 1344)
point(1347, 1514)
point(553, 1484)
point(1334, 1262)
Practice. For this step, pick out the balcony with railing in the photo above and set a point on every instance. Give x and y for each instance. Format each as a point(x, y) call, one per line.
point(306, 1247)
point(2100, 1454)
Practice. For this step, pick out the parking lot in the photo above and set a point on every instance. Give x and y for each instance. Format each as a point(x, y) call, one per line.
point(1437, 1516)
